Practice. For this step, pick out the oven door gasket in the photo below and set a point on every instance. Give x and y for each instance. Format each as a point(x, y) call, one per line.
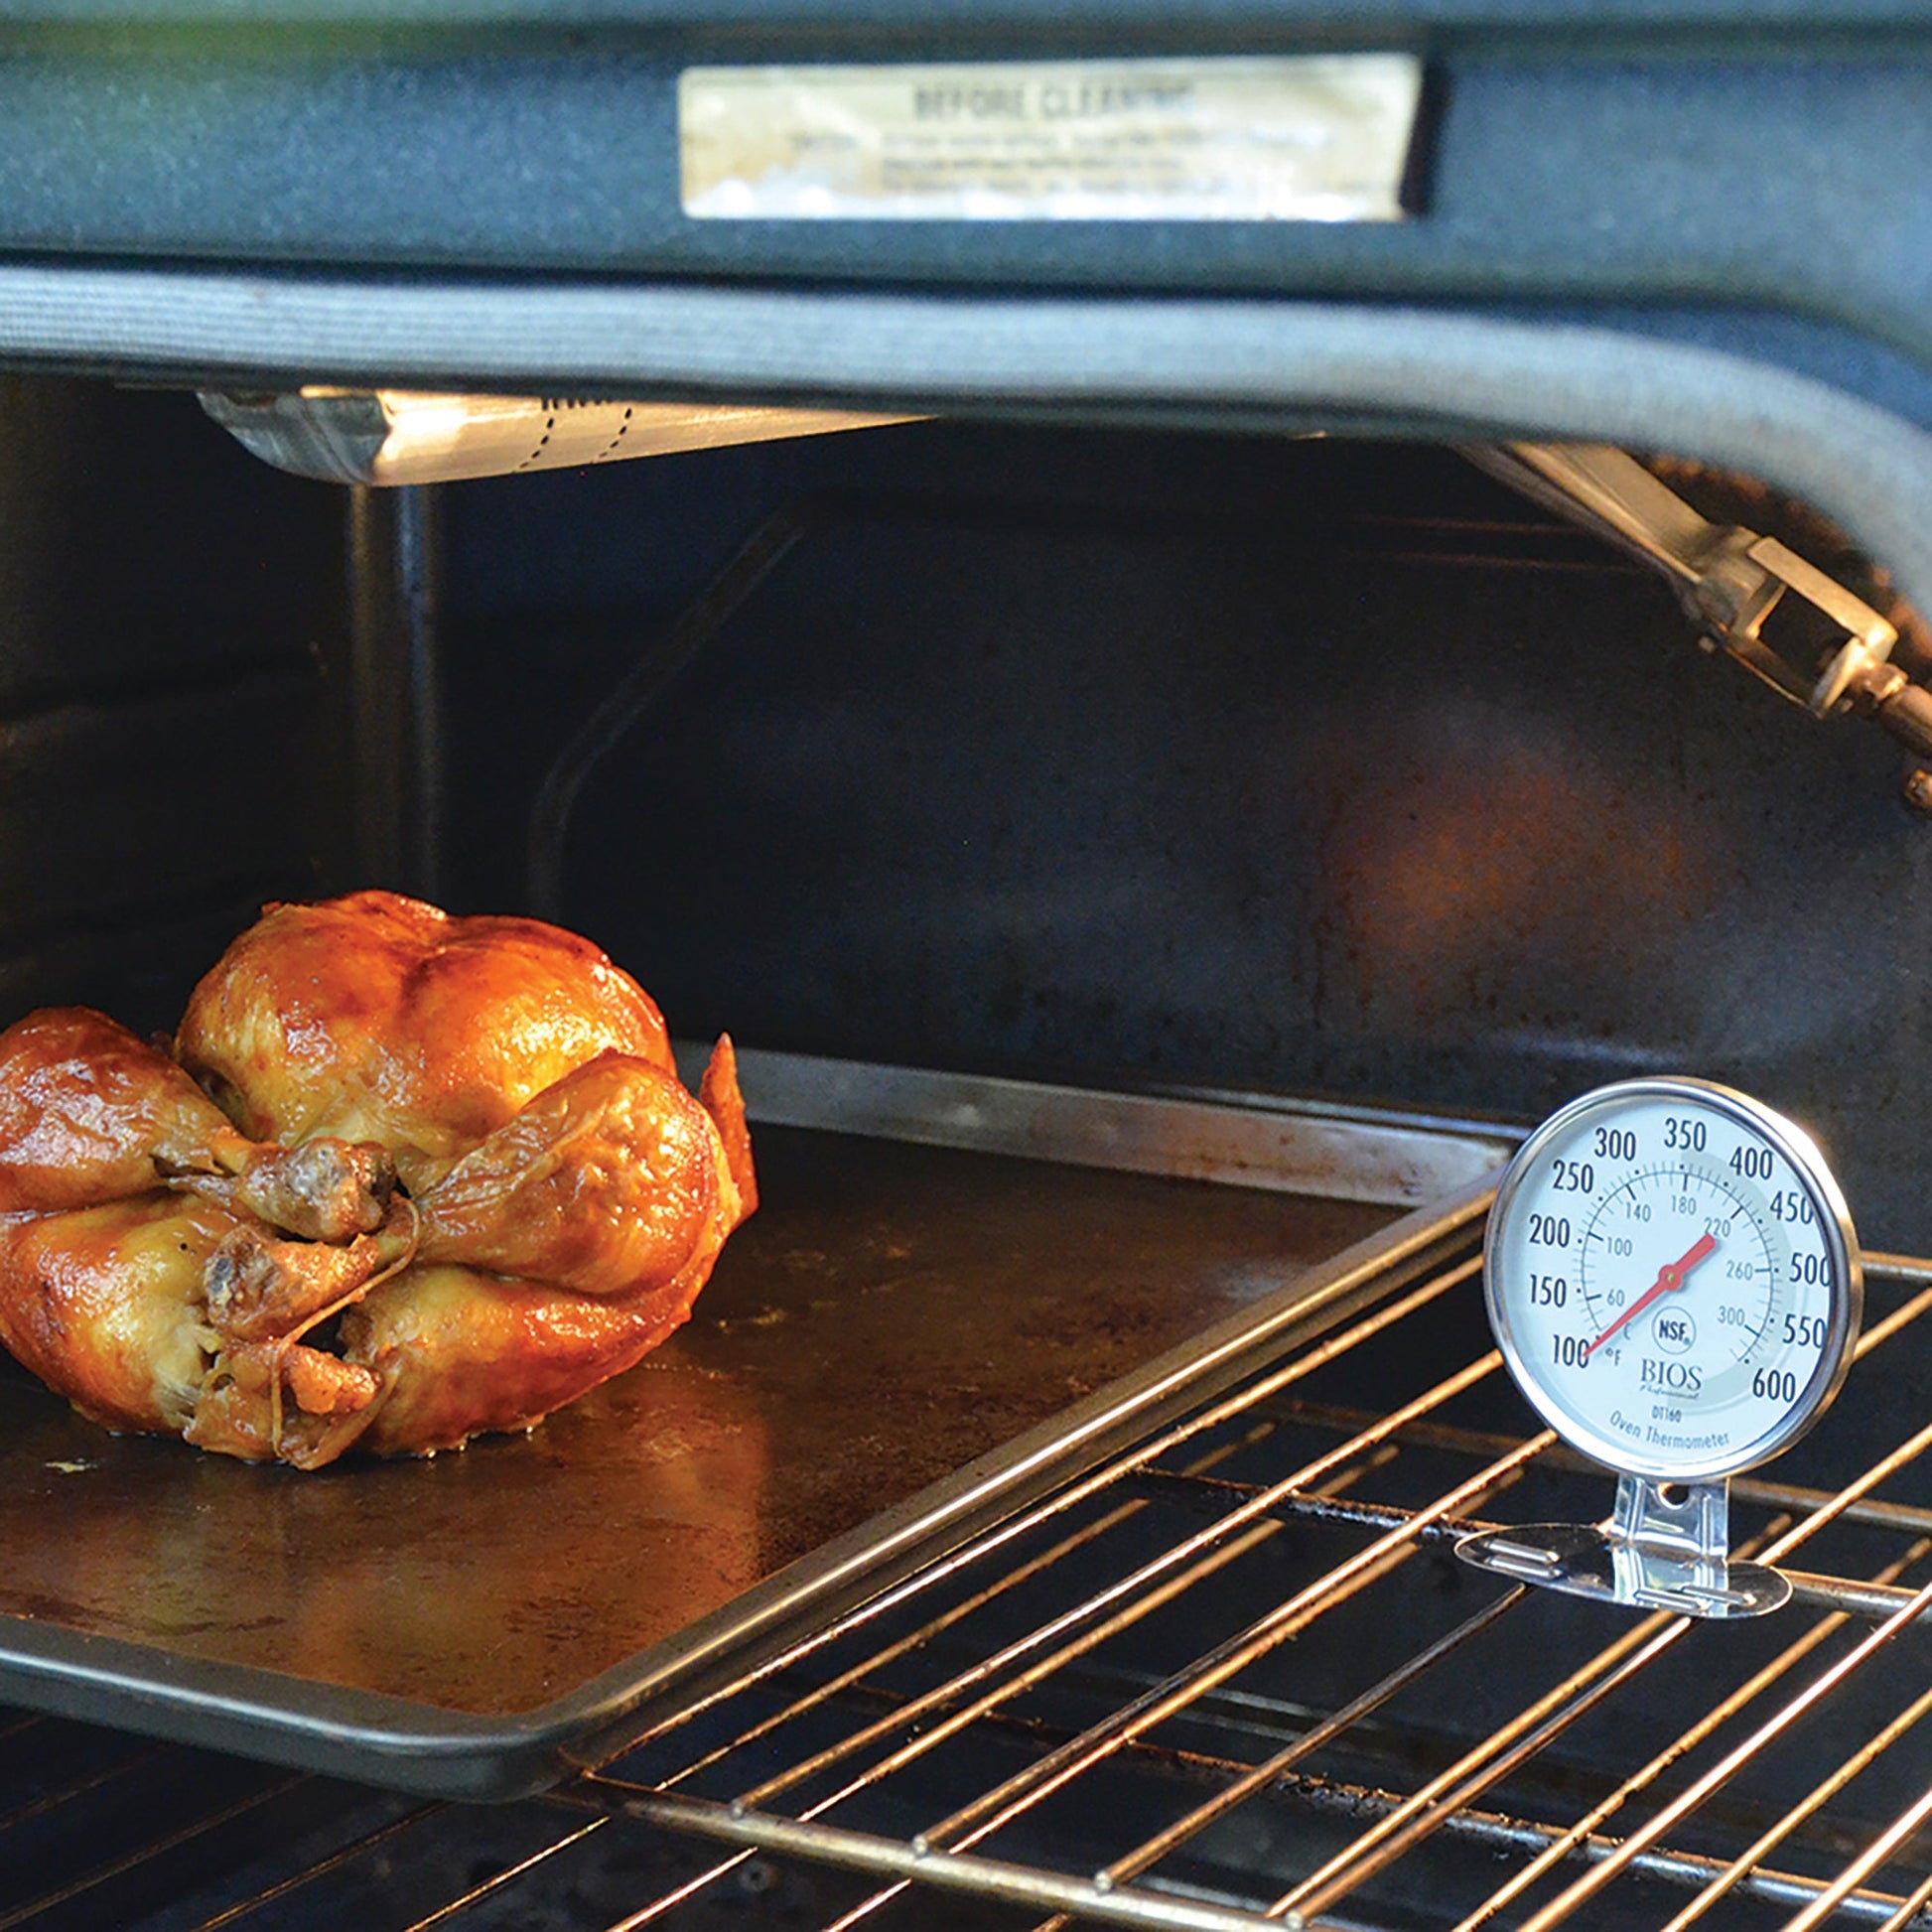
point(1457, 373)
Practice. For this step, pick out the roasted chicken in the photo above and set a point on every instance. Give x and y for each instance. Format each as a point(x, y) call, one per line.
point(399, 1178)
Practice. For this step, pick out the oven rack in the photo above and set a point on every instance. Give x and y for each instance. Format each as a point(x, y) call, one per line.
point(788, 1810)
point(1084, 1714)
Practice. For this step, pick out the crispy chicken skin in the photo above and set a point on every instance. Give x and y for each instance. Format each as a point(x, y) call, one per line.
point(90, 1113)
point(451, 1182)
point(103, 1303)
point(377, 1018)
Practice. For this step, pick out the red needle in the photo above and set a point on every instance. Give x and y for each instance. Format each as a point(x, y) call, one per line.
point(1669, 1277)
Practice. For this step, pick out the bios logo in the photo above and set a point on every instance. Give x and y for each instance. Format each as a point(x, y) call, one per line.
point(1672, 1378)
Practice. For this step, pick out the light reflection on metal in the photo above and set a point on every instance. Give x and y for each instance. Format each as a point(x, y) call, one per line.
point(389, 437)
point(1242, 1140)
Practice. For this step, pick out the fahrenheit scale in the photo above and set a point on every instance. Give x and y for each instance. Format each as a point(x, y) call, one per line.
point(1674, 1281)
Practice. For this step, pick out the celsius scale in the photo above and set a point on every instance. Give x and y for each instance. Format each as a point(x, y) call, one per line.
point(1674, 1281)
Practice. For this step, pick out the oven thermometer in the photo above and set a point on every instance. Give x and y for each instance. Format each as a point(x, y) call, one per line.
point(1674, 1281)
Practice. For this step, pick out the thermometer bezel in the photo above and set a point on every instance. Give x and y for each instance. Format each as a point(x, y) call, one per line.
point(1847, 1292)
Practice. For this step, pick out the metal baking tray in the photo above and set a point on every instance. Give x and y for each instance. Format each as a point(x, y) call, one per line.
point(905, 1343)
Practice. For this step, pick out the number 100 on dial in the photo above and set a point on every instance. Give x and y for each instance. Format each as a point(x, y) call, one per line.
point(1673, 1277)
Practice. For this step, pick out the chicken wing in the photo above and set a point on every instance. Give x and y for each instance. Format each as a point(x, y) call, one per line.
point(88, 1113)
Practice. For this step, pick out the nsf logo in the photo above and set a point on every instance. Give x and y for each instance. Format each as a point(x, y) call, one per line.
point(1673, 1331)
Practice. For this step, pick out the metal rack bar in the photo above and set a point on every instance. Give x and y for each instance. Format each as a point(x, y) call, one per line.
point(1687, 1801)
point(959, 1718)
point(669, 1901)
point(1147, 1575)
point(1227, 1659)
point(1883, 1471)
point(130, 1861)
point(1686, 1741)
point(864, 1852)
point(1150, 1852)
point(947, 1870)
point(509, 1876)
point(848, 1679)
point(1377, 1848)
point(1500, 1833)
point(1882, 1267)
point(1478, 1770)
point(1329, 1348)
point(996, 1807)
point(1488, 1441)
point(67, 1794)
point(1808, 1588)
point(1813, 1802)
point(948, 1852)
point(1154, 1586)
point(1909, 1908)
point(955, 1614)
point(915, 1639)
point(1343, 1580)
point(1867, 1861)
point(322, 1867)
point(1906, 1313)
point(1869, 1600)
point(1673, 1866)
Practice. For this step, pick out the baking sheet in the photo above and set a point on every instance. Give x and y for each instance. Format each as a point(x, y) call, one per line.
point(452, 1624)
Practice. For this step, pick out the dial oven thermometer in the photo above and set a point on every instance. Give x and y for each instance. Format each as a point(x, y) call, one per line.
point(1674, 1281)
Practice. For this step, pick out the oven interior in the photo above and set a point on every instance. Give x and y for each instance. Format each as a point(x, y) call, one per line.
point(1154, 762)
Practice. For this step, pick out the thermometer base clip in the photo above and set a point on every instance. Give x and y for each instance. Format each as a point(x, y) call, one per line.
point(1664, 1548)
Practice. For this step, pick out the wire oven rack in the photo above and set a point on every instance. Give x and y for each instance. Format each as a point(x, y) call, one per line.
point(1230, 1677)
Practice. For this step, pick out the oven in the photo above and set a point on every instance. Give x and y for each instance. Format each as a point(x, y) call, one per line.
point(1171, 742)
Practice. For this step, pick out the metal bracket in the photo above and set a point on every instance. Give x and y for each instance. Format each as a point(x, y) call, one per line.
point(1665, 1548)
point(1729, 580)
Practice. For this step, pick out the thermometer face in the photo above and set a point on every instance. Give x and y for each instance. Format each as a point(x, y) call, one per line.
point(1673, 1277)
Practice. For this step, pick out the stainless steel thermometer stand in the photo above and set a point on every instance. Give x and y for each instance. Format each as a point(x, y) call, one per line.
point(1674, 1282)
point(1665, 1548)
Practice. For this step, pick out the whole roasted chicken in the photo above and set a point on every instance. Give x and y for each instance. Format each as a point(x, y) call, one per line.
point(400, 1178)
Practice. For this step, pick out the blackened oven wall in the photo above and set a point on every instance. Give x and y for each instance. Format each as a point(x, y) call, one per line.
point(170, 614)
point(1314, 766)
point(1304, 765)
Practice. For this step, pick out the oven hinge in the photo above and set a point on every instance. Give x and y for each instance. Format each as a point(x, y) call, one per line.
point(1729, 580)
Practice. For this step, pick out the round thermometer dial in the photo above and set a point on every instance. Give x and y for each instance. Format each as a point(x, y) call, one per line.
point(1673, 1277)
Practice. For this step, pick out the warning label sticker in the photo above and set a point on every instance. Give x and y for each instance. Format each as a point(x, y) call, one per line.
point(1307, 138)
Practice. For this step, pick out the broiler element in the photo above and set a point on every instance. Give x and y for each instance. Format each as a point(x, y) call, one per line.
point(451, 1182)
point(1729, 581)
